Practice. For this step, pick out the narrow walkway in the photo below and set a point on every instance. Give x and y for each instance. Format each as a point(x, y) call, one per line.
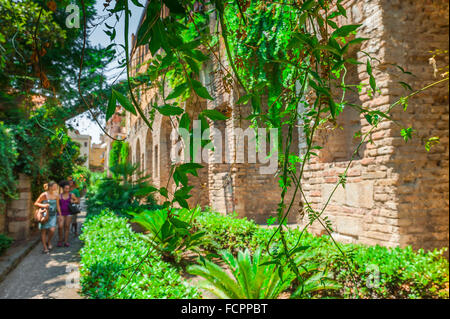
point(41, 276)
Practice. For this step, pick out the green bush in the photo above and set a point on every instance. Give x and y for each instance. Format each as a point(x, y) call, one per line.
point(5, 243)
point(225, 231)
point(172, 234)
point(113, 263)
point(251, 277)
point(403, 272)
point(394, 272)
point(120, 193)
point(7, 162)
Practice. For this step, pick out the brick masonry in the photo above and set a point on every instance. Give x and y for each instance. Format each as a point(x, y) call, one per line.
point(18, 213)
point(397, 194)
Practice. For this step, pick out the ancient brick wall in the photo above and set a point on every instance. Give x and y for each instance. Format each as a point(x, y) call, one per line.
point(412, 30)
point(396, 193)
point(19, 212)
point(2, 219)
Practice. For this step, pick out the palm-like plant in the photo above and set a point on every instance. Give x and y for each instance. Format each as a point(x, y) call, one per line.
point(172, 233)
point(251, 278)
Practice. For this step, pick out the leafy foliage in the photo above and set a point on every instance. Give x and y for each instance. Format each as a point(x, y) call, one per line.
point(251, 278)
point(119, 153)
point(7, 163)
point(40, 56)
point(5, 243)
point(390, 272)
point(121, 193)
point(171, 232)
point(225, 231)
point(113, 263)
point(43, 150)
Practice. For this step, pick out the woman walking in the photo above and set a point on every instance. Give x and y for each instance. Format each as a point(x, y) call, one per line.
point(49, 201)
point(65, 218)
point(75, 191)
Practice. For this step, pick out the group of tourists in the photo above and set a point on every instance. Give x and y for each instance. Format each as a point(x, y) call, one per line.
point(58, 201)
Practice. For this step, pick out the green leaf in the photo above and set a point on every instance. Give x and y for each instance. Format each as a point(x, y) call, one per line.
point(145, 29)
point(332, 24)
point(403, 70)
point(197, 55)
point(358, 40)
point(244, 99)
point(145, 191)
point(214, 115)
point(333, 107)
point(136, 3)
point(183, 203)
point(328, 48)
point(405, 85)
point(341, 10)
point(180, 89)
point(189, 166)
point(192, 64)
point(111, 107)
point(163, 191)
point(345, 30)
point(124, 101)
point(407, 133)
point(318, 89)
point(307, 5)
point(179, 223)
point(372, 82)
point(298, 249)
point(180, 177)
point(369, 67)
point(169, 110)
point(201, 90)
point(185, 121)
point(174, 6)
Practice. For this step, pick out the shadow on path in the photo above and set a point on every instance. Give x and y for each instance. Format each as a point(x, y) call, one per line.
point(41, 276)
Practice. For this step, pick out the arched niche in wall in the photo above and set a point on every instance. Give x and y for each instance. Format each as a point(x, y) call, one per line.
point(137, 156)
point(148, 151)
point(340, 142)
point(165, 146)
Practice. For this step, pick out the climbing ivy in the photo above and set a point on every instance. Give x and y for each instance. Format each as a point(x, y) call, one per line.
point(8, 159)
point(279, 55)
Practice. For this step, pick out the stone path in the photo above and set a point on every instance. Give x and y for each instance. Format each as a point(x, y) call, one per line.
point(41, 276)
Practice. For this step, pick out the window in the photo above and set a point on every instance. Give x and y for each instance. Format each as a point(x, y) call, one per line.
point(85, 144)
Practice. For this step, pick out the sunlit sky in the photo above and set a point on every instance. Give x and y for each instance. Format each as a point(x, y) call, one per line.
point(97, 36)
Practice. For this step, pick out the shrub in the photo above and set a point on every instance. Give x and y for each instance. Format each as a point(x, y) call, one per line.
point(225, 231)
point(394, 272)
point(118, 263)
point(250, 277)
point(172, 234)
point(121, 193)
point(403, 272)
point(5, 243)
point(7, 162)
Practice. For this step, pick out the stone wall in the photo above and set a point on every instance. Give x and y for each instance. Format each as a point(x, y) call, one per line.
point(2, 219)
point(413, 29)
point(18, 211)
point(396, 192)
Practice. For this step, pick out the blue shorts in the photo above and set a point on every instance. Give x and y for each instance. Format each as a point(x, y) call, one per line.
point(51, 223)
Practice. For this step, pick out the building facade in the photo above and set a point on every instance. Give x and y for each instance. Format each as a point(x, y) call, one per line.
point(97, 157)
point(396, 194)
point(85, 145)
